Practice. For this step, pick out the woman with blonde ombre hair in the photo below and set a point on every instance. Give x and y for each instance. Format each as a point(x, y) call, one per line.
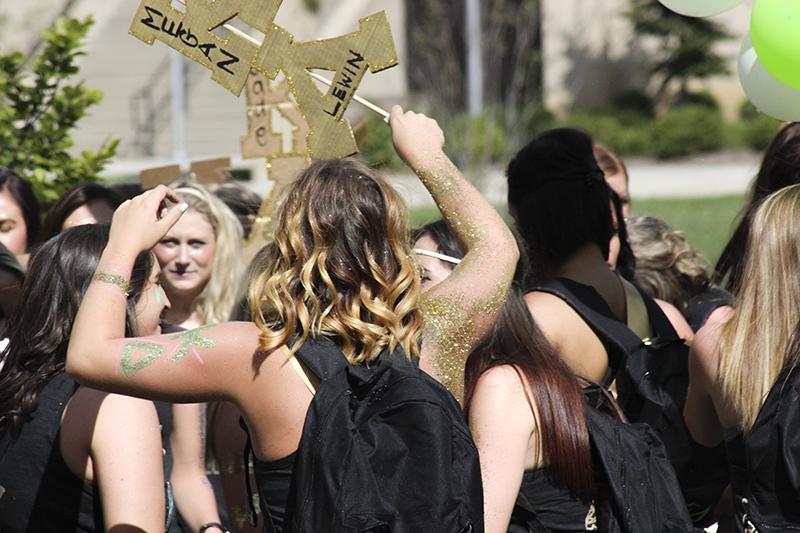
point(341, 277)
point(740, 368)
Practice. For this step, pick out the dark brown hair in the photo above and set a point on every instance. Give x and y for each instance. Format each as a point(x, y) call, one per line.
point(72, 200)
point(516, 340)
point(59, 273)
point(779, 168)
point(22, 192)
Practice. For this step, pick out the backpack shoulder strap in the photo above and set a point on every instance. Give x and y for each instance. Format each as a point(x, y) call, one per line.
point(610, 329)
point(636, 310)
point(298, 367)
point(321, 356)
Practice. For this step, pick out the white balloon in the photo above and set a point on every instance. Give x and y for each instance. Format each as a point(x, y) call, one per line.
point(700, 8)
point(770, 96)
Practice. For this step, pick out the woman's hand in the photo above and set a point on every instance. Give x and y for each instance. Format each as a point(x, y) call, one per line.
point(417, 138)
point(139, 224)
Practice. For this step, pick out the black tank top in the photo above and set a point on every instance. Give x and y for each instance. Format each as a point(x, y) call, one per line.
point(543, 503)
point(274, 478)
point(700, 307)
point(591, 298)
point(765, 462)
point(40, 493)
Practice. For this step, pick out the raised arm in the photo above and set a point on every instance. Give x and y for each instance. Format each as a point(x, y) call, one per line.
point(197, 365)
point(459, 311)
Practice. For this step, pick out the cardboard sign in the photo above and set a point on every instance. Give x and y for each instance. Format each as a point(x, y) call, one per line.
point(191, 33)
point(275, 125)
point(152, 177)
point(349, 57)
point(211, 170)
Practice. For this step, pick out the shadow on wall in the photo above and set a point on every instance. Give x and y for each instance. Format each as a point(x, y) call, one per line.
point(595, 76)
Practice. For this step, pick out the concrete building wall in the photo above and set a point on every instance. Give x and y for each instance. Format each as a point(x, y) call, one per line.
point(590, 53)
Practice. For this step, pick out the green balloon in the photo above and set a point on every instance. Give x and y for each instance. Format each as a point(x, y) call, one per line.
point(775, 31)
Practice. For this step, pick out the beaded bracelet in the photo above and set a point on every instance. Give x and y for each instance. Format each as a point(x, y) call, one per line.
point(113, 279)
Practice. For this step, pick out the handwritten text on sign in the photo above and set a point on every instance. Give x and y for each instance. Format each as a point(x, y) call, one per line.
point(349, 56)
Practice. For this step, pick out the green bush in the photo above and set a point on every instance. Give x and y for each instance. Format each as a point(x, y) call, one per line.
point(635, 101)
point(374, 138)
point(624, 131)
point(756, 130)
point(687, 130)
point(40, 104)
point(699, 98)
point(477, 140)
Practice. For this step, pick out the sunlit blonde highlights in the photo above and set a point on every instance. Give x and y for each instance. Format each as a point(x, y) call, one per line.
point(753, 343)
point(341, 266)
point(222, 290)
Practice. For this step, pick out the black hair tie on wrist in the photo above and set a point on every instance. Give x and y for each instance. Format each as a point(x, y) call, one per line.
point(209, 525)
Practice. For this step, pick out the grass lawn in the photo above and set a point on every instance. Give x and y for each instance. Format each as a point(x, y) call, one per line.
point(707, 222)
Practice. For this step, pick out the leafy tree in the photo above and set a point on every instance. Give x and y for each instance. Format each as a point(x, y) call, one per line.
point(685, 48)
point(39, 107)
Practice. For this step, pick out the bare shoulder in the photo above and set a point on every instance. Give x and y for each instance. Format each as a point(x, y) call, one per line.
point(552, 314)
point(501, 394)
point(503, 379)
point(676, 318)
point(704, 353)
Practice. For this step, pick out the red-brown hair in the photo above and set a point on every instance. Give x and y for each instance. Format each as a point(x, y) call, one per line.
point(552, 387)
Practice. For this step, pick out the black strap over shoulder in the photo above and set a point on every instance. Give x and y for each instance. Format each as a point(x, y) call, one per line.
point(610, 329)
point(319, 355)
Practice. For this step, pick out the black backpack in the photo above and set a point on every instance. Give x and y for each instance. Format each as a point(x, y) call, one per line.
point(385, 449)
point(653, 379)
point(652, 383)
point(639, 490)
point(636, 489)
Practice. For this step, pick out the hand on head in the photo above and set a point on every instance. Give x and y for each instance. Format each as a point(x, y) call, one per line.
point(417, 138)
point(140, 223)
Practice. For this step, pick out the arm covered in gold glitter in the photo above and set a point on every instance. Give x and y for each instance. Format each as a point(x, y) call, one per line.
point(460, 310)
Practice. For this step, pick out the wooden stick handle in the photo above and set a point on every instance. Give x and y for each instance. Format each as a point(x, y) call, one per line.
point(366, 103)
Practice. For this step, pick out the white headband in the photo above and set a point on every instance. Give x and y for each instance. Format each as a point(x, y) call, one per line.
point(447, 258)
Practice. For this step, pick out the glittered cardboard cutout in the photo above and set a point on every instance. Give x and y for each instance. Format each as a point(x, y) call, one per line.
point(211, 170)
point(272, 116)
point(348, 56)
point(191, 33)
point(152, 177)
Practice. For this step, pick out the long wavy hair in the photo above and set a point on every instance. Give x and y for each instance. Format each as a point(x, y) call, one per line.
point(667, 266)
point(753, 343)
point(341, 266)
point(779, 168)
point(59, 273)
point(560, 413)
point(219, 296)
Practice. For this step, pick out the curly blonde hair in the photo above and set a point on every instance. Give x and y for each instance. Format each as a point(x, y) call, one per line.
point(341, 266)
point(220, 294)
point(667, 266)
